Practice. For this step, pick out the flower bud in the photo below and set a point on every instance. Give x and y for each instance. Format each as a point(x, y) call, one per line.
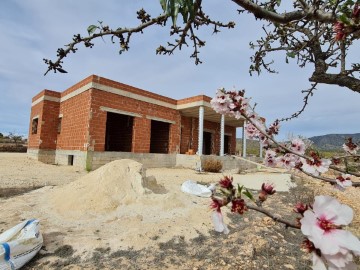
point(238, 206)
point(226, 182)
point(300, 208)
point(268, 188)
point(262, 196)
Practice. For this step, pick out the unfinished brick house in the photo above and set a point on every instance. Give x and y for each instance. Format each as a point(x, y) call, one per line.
point(98, 120)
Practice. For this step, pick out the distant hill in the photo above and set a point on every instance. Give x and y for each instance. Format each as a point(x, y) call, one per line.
point(329, 142)
point(333, 141)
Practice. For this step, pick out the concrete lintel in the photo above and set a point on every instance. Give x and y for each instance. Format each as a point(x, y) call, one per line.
point(160, 119)
point(193, 104)
point(48, 98)
point(107, 109)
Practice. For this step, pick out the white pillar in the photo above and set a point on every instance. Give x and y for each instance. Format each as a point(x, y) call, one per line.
point(201, 130)
point(222, 134)
point(244, 141)
point(261, 149)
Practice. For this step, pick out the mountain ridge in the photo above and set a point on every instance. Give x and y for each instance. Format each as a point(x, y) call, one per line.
point(333, 141)
point(328, 142)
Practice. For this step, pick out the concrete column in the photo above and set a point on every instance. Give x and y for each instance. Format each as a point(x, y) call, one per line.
point(261, 149)
point(201, 130)
point(222, 135)
point(244, 141)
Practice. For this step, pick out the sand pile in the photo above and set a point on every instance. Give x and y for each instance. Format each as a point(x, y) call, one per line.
point(118, 183)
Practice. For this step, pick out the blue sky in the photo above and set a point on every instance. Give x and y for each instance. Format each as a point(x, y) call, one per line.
point(33, 29)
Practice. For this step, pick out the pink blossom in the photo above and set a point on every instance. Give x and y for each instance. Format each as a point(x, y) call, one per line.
point(266, 189)
point(238, 206)
point(226, 182)
point(350, 147)
point(221, 102)
point(287, 161)
point(298, 146)
point(356, 11)
point(270, 158)
point(230, 102)
point(274, 128)
point(251, 131)
point(344, 180)
point(339, 29)
point(216, 204)
point(322, 225)
point(315, 165)
point(338, 261)
point(300, 208)
point(263, 140)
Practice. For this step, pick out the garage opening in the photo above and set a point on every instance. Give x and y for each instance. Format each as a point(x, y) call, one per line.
point(227, 146)
point(207, 139)
point(159, 138)
point(119, 132)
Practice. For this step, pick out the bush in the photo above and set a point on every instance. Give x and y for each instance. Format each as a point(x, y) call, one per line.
point(212, 165)
point(13, 148)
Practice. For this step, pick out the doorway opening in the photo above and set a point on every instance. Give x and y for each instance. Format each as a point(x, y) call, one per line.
point(159, 138)
point(207, 141)
point(119, 132)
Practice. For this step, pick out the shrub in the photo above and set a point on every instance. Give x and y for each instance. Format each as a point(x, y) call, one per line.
point(212, 165)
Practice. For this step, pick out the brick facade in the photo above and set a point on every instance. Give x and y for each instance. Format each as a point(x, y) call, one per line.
point(79, 119)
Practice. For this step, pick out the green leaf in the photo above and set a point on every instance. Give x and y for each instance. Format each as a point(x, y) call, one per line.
point(175, 14)
point(248, 194)
point(343, 18)
point(91, 29)
point(278, 2)
point(163, 5)
point(190, 7)
point(239, 190)
point(61, 70)
point(291, 54)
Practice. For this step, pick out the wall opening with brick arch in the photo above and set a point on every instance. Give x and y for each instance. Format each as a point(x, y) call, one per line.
point(159, 138)
point(118, 134)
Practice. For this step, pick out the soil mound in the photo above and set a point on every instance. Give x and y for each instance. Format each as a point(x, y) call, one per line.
point(120, 182)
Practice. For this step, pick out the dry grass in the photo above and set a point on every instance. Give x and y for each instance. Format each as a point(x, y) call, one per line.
point(212, 165)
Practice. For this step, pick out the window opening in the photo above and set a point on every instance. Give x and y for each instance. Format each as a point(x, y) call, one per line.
point(34, 125)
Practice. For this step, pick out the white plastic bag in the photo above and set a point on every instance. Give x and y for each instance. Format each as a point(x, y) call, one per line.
point(193, 188)
point(20, 244)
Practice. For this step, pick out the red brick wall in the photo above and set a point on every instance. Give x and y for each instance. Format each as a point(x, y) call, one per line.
point(34, 139)
point(75, 122)
point(48, 112)
point(49, 123)
point(141, 135)
point(186, 128)
point(46, 92)
point(132, 89)
point(141, 131)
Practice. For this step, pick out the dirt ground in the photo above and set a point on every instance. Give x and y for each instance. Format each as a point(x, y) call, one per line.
point(179, 234)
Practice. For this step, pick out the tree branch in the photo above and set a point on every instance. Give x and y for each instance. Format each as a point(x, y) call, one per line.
point(86, 40)
point(287, 17)
point(273, 217)
point(336, 79)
